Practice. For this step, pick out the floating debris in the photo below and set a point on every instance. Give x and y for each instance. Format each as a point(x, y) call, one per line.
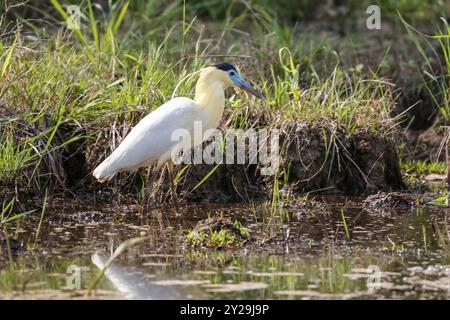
point(393, 200)
point(86, 217)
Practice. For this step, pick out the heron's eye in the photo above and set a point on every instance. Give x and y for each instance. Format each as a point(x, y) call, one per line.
point(232, 73)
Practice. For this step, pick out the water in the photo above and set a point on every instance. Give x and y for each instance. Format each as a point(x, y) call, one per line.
point(298, 253)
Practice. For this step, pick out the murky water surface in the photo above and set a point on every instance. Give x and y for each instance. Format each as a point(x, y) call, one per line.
point(297, 253)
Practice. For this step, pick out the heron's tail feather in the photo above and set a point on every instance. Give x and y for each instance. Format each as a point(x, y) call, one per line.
point(104, 172)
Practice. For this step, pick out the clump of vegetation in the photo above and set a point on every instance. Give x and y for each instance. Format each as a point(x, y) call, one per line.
point(13, 158)
point(424, 175)
point(217, 232)
point(421, 167)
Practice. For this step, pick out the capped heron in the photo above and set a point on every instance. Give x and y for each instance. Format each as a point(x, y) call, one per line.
point(150, 140)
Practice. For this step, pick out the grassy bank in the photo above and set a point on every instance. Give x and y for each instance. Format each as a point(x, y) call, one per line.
point(67, 98)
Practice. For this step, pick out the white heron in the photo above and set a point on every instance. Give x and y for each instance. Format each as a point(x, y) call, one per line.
point(150, 140)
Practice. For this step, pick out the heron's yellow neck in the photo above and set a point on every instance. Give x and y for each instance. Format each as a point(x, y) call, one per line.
point(209, 93)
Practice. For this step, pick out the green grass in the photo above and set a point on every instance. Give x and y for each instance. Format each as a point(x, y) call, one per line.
point(218, 238)
point(13, 158)
point(344, 223)
point(421, 167)
point(128, 58)
point(435, 78)
point(8, 215)
point(100, 79)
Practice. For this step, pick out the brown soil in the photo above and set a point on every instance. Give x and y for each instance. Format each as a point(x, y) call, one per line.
point(362, 164)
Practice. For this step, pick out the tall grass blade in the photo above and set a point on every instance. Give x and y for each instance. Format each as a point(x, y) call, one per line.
point(7, 60)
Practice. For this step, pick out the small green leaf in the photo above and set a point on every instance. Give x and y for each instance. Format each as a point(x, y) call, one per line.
point(442, 201)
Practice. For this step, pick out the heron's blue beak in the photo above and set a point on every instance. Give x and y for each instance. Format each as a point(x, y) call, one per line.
point(241, 83)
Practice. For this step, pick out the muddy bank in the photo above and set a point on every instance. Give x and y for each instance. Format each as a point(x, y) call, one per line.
point(312, 159)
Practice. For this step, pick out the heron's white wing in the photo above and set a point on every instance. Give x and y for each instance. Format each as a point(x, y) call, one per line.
point(151, 138)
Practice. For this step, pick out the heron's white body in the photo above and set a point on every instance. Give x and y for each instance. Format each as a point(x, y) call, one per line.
point(150, 141)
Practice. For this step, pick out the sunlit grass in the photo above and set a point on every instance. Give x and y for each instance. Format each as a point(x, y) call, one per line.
point(421, 167)
point(13, 157)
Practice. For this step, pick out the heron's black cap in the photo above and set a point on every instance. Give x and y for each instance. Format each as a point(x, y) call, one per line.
point(225, 66)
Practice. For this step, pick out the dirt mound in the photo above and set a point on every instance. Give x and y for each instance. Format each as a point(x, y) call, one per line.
point(361, 164)
point(312, 159)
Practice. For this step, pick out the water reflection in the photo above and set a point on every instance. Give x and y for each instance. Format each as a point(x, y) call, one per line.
point(334, 251)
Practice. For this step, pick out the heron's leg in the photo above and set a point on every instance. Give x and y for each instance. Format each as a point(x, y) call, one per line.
point(172, 185)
